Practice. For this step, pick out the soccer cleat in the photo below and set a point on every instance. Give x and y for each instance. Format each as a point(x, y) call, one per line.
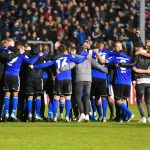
point(55, 119)
point(148, 119)
point(142, 120)
point(67, 119)
point(74, 119)
point(100, 118)
point(38, 118)
point(30, 117)
point(104, 119)
point(131, 117)
point(112, 118)
point(94, 118)
point(13, 117)
point(87, 118)
point(49, 120)
point(82, 118)
point(6, 115)
point(120, 120)
point(61, 116)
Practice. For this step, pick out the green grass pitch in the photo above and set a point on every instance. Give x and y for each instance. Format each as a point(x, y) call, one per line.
point(76, 136)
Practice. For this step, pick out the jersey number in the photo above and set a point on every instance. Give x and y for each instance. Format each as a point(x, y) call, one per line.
point(64, 62)
point(122, 61)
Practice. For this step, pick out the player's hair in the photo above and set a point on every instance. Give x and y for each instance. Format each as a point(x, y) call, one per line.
point(19, 44)
point(118, 42)
point(98, 43)
point(27, 47)
point(62, 48)
point(10, 39)
point(46, 48)
point(3, 43)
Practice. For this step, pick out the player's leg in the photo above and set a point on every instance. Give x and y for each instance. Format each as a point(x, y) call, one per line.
point(15, 88)
point(87, 90)
point(125, 92)
point(99, 108)
point(111, 107)
point(5, 110)
point(67, 91)
point(78, 95)
point(30, 94)
point(38, 88)
point(103, 94)
point(14, 106)
point(7, 89)
point(29, 106)
point(93, 115)
point(147, 101)
point(109, 98)
point(55, 106)
point(57, 92)
point(61, 106)
point(68, 107)
point(140, 89)
point(50, 105)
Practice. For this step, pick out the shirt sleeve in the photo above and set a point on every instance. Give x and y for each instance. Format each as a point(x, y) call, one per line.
point(43, 65)
point(77, 60)
point(111, 60)
point(29, 60)
point(5, 55)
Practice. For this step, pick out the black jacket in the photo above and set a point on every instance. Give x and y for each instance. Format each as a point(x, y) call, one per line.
point(4, 56)
point(141, 62)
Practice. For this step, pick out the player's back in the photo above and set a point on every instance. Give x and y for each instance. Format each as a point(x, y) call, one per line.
point(123, 75)
point(13, 66)
point(59, 63)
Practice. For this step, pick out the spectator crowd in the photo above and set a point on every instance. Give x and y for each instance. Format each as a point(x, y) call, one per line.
point(72, 20)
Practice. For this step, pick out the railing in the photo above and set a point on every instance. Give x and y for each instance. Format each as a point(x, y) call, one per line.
point(43, 42)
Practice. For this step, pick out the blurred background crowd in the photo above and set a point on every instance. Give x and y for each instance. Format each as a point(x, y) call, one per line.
point(72, 21)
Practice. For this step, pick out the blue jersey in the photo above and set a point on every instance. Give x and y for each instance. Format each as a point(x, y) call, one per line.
point(59, 63)
point(66, 59)
point(105, 54)
point(44, 75)
point(13, 66)
point(123, 75)
point(3, 49)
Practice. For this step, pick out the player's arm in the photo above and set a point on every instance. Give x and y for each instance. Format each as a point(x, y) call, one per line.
point(77, 56)
point(7, 56)
point(42, 65)
point(56, 56)
point(101, 60)
point(33, 60)
point(96, 65)
point(143, 53)
point(68, 67)
point(129, 64)
point(77, 60)
point(137, 70)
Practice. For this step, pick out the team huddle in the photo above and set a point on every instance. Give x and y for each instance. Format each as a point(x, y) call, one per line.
point(80, 80)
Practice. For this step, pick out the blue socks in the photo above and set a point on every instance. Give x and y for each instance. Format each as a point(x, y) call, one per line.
point(104, 106)
point(124, 107)
point(29, 103)
point(111, 107)
point(5, 106)
point(50, 109)
point(99, 110)
point(14, 105)
point(55, 107)
point(68, 107)
point(61, 107)
point(93, 103)
point(38, 106)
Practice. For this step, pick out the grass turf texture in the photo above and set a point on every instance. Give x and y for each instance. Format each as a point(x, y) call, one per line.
point(78, 136)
